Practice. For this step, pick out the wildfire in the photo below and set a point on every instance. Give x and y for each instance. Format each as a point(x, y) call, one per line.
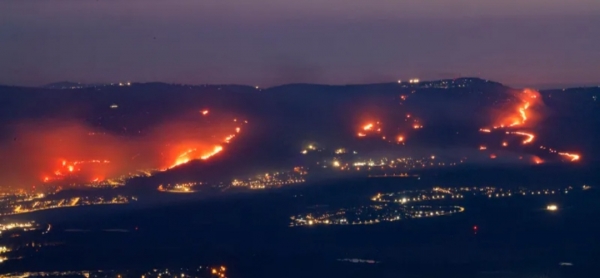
point(63, 153)
point(228, 138)
point(529, 136)
point(573, 157)
point(216, 150)
point(369, 128)
point(521, 115)
point(192, 154)
point(68, 169)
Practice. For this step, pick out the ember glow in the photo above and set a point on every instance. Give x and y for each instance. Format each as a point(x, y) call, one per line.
point(521, 116)
point(68, 169)
point(64, 153)
point(216, 150)
point(573, 157)
point(194, 154)
point(369, 128)
point(528, 136)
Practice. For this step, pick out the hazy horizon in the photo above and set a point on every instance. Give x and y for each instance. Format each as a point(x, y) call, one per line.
point(267, 42)
point(540, 86)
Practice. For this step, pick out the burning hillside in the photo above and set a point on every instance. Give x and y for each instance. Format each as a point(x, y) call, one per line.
point(72, 153)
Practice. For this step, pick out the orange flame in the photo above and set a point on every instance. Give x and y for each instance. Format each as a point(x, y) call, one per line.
point(216, 150)
point(573, 157)
point(529, 136)
point(521, 114)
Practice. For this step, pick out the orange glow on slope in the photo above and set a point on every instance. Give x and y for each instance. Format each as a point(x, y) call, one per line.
point(193, 154)
point(203, 154)
point(369, 128)
point(216, 150)
point(228, 138)
point(529, 136)
point(523, 113)
point(72, 171)
point(204, 112)
point(520, 114)
point(537, 160)
point(573, 157)
point(64, 153)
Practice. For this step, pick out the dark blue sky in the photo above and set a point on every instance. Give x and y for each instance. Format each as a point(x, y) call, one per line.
point(269, 42)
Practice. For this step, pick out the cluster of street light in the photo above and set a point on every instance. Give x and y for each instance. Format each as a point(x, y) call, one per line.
point(372, 214)
point(272, 180)
point(200, 272)
point(11, 208)
point(396, 206)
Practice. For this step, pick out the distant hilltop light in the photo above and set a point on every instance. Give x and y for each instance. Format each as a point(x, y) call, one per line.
point(114, 106)
point(552, 207)
point(399, 81)
point(414, 80)
point(256, 87)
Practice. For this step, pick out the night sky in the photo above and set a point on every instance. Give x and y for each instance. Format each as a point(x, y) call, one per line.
point(536, 43)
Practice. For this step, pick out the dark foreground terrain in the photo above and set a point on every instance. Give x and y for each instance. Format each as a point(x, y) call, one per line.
point(250, 233)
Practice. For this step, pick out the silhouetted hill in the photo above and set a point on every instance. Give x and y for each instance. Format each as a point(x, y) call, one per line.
point(284, 118)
